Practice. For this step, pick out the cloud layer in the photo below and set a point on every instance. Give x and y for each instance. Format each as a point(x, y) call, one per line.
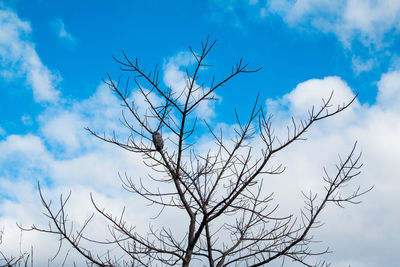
point(368, 21)
point(86, 165)
point(64, 157)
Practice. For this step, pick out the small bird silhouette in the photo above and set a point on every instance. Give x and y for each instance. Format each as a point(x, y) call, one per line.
point(158, 141)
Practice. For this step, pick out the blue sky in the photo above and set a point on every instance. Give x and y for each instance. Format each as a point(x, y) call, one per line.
point(54, 55)
point(154, 30)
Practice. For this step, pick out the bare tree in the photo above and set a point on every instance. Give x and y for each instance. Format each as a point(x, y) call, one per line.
point(230, 221)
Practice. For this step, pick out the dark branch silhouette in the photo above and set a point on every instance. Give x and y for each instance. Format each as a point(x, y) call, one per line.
point(230, 220)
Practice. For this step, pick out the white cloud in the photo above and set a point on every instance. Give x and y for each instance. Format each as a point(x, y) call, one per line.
point(389, 91)
point(63, 130)
point(59, 27)
point(369, 21)
point(65, 157)
point(311, 93)
point(376, 128)
point(28, 145)
point(19, 58)
point(63, 127)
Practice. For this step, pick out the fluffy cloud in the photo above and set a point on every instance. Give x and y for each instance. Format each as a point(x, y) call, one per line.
point(64, 157)
point(389, 91)
point(312, 92)
point(18, 58)
point(369, 21)
point(356, 240)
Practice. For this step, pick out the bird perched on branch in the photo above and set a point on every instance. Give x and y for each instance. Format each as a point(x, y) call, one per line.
point(158, 141)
